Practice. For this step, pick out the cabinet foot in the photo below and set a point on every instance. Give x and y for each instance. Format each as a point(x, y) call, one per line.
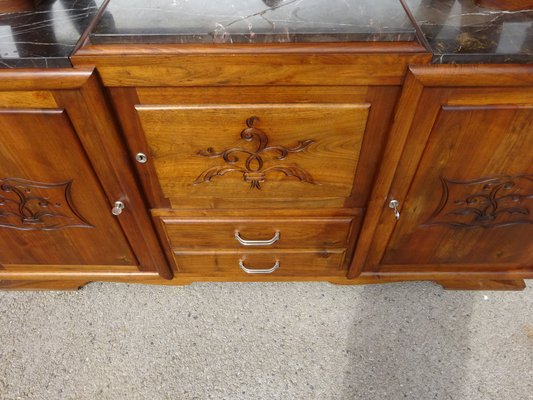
point(514, 284)
point(42, 285)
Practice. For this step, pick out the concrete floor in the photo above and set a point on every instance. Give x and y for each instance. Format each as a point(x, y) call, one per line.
point(266, 341)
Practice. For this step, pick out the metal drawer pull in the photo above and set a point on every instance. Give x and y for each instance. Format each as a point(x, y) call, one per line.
point(245, 242)
point(258, 271)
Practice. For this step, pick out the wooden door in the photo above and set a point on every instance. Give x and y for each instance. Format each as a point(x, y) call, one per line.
point(255, 152)
point(460, 165)
point(61, 172)
point(53, 209)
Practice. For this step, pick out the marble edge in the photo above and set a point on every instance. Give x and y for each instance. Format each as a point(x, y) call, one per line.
point(393, 36)
point(36, 62)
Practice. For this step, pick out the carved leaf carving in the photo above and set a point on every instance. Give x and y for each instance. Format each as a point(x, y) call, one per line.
point(485, 202)
point(29, 205)
point(254, 170)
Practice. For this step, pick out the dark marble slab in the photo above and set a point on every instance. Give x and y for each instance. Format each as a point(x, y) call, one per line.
point(252, 21)
point(46, 36)
point(458, 31)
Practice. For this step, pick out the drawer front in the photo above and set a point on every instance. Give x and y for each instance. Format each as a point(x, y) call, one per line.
point(253, 152)
point(258, 233)
point(262, 263)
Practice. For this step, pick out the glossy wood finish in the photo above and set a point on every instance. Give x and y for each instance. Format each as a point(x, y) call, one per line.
point(330, 107)
point(43, 79)
point(242, 65)
point(65, 215)
point(41, 285)
point(293, 263)
point(251, 95)
point(228, 99)
point(209, 236)
point(457, 216)
point(466, 218)
point(254, 151)
point(175, 102)
point(180, 279)
point(101, 139)
point(296, 232)
point(28, 99)
point(63, 146)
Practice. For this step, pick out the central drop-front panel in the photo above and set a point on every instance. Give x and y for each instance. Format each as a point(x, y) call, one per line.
point(267, 151)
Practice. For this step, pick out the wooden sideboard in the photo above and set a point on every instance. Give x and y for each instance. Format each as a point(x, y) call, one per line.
point(173, 164)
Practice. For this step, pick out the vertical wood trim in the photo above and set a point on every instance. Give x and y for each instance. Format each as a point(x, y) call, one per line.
point(382, 100)
point(124, 101)
point(165, 242)
point(409, 162)
point(99, 135)
point(409, 100)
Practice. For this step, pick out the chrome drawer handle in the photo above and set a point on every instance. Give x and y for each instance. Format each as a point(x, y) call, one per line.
point(245, 242)
point(258, 271)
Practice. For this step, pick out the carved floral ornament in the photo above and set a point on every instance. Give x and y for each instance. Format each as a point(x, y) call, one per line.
point(485, 202)
point(29, 205)
point(254, 169)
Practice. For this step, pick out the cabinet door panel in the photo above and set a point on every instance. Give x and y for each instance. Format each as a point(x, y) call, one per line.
point(460, 166)
point(52, 208)
point(471, 199)
point(255, 151)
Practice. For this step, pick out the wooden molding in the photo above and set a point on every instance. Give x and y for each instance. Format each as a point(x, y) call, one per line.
point(44, 79)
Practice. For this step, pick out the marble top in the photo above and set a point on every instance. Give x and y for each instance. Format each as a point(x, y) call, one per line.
point(46, 36)
point(252, 21)
point(458, 31)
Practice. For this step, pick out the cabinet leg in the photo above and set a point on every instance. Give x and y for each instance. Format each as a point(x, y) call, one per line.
point(514, 284)
point(42, 285)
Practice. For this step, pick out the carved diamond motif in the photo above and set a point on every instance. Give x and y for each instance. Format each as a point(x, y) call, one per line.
point(29, 205)
point(485, 202)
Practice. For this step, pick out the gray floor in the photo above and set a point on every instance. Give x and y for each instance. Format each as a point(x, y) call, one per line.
point(266, 341)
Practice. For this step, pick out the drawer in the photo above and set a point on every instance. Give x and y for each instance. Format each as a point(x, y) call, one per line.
point(254, 151)
point(257, 233)
point(255, 263)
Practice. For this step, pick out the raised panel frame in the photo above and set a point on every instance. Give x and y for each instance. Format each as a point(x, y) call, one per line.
point(426, 91)
point(78, 92)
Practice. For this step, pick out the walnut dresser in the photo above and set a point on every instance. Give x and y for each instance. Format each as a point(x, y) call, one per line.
point(259, 140)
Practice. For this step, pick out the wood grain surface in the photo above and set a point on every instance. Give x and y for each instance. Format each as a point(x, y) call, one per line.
point(180, 139)
point(293, 232)
point(292, 262)
point(462, 179)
